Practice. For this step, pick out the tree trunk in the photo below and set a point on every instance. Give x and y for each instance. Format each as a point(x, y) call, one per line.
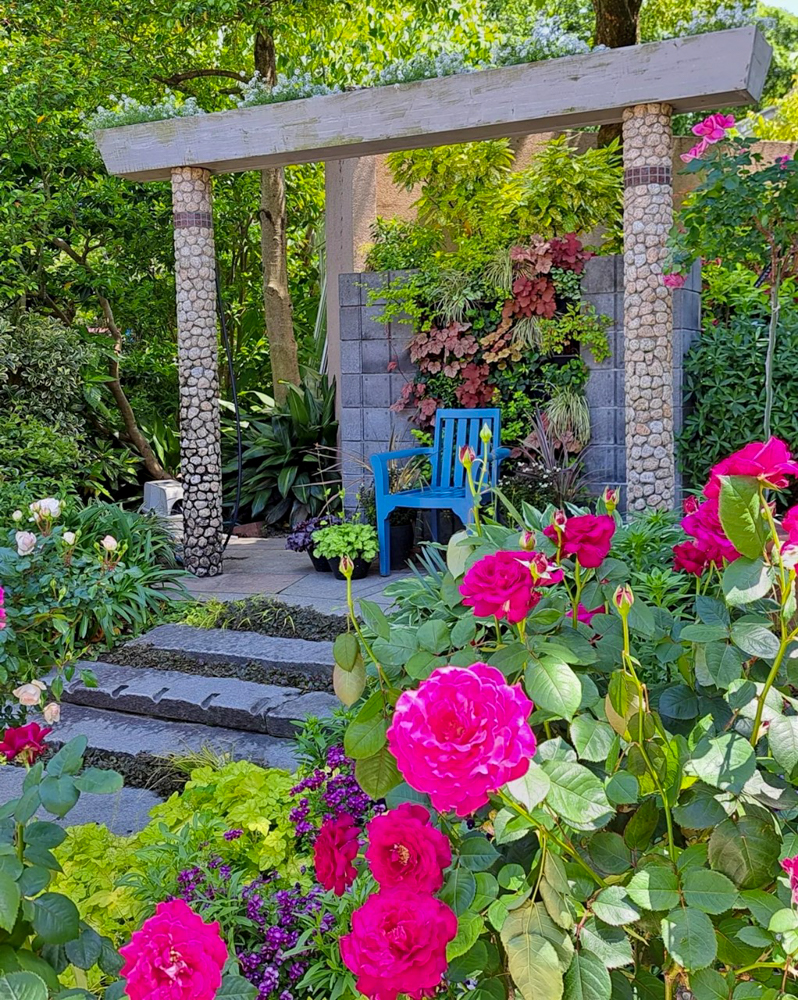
point(616, 26)
point(274, 251)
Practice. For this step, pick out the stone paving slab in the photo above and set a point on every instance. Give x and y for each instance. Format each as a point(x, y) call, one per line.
point(125, 812)
point(134, 734)
point(314, 659)
point(212, 701)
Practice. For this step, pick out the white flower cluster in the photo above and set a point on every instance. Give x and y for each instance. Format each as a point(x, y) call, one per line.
point(129, 111)
point(288, 88)
point(735, 15)
point(422, 67)
point(549, 40)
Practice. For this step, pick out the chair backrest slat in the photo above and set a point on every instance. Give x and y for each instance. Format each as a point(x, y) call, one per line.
point(453, 430)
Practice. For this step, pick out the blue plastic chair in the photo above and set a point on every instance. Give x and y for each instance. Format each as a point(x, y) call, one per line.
point(448, 489)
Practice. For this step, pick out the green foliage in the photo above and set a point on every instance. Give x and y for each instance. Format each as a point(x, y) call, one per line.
point(725, 389)
point(289, 456)
point(42, 934)
point(350, 539)
point(32, 447)
point(400, 245)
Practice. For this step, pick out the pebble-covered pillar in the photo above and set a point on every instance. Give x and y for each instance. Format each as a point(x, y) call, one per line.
point(195, 276)
point(648, 312)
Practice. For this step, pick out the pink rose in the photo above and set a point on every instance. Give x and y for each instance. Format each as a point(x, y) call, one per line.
point(587, 537)
point(768, 461)
point(174, 956)
point(500, 584)
point(689, 558)
point(705, 527)
point(584, 614)
point(790, 523)
point(462, 734)
point(790, 865)
point(696, 152)
point(397, 944)
point(406, 850)
point(714, 127)
point(335, 849)
point(673, 280)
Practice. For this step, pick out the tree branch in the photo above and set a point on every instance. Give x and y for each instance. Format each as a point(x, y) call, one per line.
point(194, 74)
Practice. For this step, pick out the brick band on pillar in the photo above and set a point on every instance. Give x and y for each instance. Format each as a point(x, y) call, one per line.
point(200, 450)
point(648, 311)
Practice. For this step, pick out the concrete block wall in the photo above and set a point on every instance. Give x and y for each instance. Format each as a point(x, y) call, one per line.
point(375, 364)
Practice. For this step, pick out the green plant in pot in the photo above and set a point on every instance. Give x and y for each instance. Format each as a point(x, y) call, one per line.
point(353, 539)
point(401, 522)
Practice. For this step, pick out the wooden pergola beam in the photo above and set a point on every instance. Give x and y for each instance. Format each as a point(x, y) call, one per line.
point(696, 73)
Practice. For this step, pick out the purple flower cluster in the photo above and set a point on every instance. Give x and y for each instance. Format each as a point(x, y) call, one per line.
point(334, 790)
point(277, 916)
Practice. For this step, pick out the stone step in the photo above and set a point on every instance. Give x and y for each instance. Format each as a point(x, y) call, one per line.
point(135, 734)
point(218, 645)
point(212, 701)
point(124, 812)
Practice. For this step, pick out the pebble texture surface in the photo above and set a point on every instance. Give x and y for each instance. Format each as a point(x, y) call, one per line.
point(648, 307)
point(198, 370)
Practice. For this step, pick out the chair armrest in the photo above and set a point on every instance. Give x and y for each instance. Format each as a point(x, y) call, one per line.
point(386, 456)
point(502, 453)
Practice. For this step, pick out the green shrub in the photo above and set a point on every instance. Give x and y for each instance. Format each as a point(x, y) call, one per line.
point(724, 387)
point(351, 539)
point(401, 245)
point(29, 446)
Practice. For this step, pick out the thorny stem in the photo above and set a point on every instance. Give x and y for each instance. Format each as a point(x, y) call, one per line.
point(383, 680)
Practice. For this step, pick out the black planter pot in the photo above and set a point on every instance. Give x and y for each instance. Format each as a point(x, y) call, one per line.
point(361, 568)
point(320, 564)
point(402, 538)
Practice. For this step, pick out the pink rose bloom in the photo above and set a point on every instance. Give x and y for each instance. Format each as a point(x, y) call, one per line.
point(462, 734)
point(397, 944)
point(174, 956)
point(335, 849)
point(714, 127)
point(25, 744)
point(691, 504)
point(790, 865)
point(768, 461)
point(705, 527)
point(405, 850)
point(673, 280)
point(782, 161)
point(688, 558)
point(588, 538)
point(584, 614)
point(500, 584)
point(696, 152)
point(790, 523)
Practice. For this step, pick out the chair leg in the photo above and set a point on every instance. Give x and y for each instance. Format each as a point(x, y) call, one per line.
point(435, 524)
point(384, 537)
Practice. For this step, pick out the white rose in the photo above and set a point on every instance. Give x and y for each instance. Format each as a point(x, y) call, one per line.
point(69, 537)
point(26, 542)
point(48, 507)
point(109, 543)
point(17, 515)
point(52, 713)
point(29, 694)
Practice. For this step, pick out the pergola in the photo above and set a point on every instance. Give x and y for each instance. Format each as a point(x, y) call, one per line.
point(642, 86)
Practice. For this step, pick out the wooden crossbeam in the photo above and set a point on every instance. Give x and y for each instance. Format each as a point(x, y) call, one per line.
point(696, 73)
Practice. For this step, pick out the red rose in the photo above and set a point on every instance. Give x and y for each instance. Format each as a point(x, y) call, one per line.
point(25, 743)
point(500, 584)
point(398, 944)
point(334, 851)
point(406, 851)
point(587, 537)
point(770, 462)
point(705, 527)
point(688, 558)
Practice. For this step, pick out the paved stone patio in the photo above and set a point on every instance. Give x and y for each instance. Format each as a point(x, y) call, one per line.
point(265, 566)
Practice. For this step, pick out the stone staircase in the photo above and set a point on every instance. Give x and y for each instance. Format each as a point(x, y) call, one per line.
point(147, 709)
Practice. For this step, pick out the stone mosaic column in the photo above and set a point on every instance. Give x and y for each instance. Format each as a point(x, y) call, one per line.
point(200, 451)
point(648, 310)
